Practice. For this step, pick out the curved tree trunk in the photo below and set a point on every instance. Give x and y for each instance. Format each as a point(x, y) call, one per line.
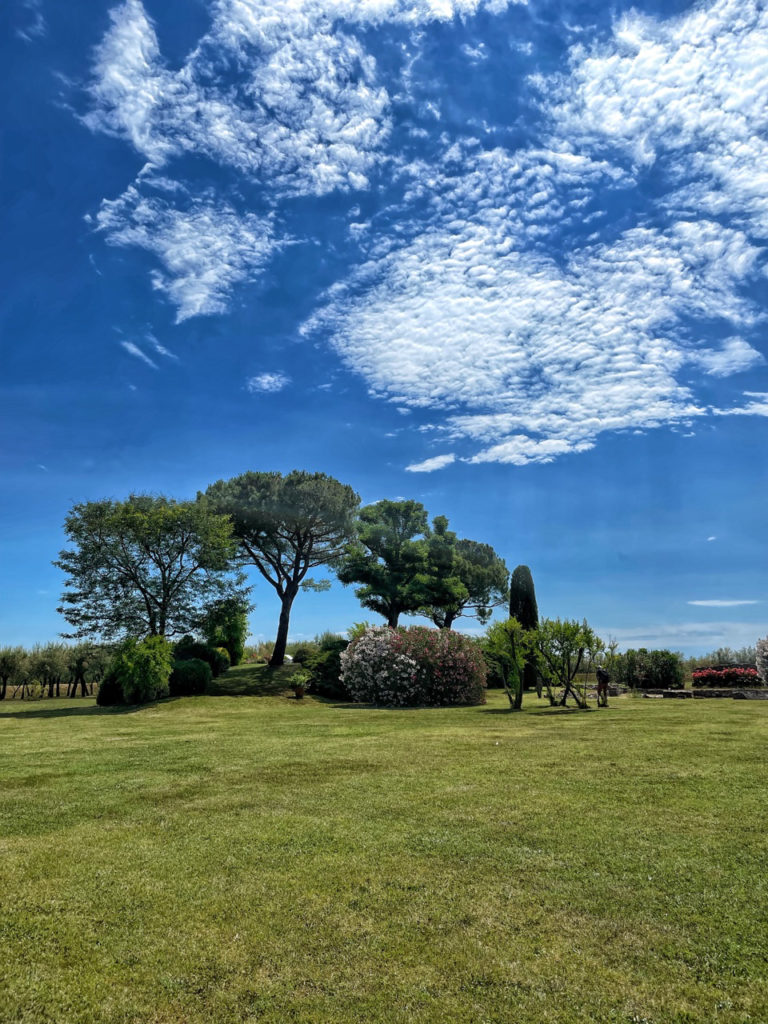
point(281, 640)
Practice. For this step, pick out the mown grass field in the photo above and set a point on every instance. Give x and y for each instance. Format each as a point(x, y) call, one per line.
point(262, 859)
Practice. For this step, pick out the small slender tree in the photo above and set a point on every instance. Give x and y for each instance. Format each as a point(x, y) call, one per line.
point(561, 647)
point(506, 648)
point(523, 607)
point(48, 665)
point(13, 662)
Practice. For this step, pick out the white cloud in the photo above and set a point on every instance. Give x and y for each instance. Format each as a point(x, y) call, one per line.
point(532, 355)
point(205, 249)
point(135, 351)
point(689, 91)
point(686, 636)
point(532, 346)
point(430, 465)
point(709, 539)
point(276, 90)
point(720, 604)
point(735, 355)
point(265, 383)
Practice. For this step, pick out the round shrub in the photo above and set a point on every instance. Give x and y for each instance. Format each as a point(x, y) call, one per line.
point(138, 672)
point(148, 671)
point(217, 657)
point(415, 666)
point(301, 653)
point(190, 678)
point(110, 690)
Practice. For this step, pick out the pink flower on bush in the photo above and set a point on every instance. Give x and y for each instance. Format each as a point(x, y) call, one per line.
point(405, 667)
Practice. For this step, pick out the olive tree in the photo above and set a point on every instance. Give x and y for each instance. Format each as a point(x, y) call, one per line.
point(562, 647)
point(13, 666)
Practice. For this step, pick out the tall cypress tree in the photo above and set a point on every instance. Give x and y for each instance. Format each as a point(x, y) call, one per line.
point(523, 607)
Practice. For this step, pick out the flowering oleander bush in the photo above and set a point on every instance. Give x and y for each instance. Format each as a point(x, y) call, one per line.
point(728, 675)
point(406, 667)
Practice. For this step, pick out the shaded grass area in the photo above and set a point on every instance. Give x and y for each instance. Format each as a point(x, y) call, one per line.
point(267, 859)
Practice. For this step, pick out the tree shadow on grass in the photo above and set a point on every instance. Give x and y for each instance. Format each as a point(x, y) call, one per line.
point(562, 711)
point(252, 681)
point(76, 712)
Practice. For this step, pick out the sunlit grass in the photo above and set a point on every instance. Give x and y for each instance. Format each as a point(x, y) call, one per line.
point(261, 858)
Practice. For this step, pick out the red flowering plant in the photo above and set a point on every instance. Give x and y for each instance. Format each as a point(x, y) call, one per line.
point(726, 676)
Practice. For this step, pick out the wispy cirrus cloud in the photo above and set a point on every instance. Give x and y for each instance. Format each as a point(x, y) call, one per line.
point(717, 603)
point(35, 26)
point(430, 465)
point(133, 350)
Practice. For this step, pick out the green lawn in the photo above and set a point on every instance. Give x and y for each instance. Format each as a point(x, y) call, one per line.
point(257, 858)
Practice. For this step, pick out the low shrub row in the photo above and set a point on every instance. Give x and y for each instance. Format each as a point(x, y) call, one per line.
point(151, 669)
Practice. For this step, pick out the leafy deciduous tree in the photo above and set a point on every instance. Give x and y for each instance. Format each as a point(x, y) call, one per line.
point(287, 525)
point(145, 566)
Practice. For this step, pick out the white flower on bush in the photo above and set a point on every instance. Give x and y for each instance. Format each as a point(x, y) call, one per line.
point(413, 666)
point(761, 658)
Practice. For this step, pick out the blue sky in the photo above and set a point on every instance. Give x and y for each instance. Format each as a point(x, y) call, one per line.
point(506, 258)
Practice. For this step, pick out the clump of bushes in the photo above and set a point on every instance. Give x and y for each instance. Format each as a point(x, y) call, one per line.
point(324, 667)
point(726, 675)
point(649, 670)
point(190, 678)
point(217, 657)
point(415, 666)
point(138, 673)
point(302, 652)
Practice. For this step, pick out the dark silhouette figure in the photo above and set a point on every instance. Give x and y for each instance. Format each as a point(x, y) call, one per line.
point(603, 678)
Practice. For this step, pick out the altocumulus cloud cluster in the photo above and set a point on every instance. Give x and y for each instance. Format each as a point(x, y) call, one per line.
point(530, 289)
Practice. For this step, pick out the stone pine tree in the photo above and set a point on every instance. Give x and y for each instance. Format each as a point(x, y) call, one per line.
point(390, 558)
point(287, 525)
point(523, 607)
